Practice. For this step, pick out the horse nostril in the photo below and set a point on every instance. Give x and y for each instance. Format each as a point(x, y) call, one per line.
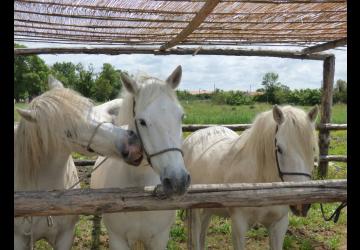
point(167, 183)
point(188, 180)
point(131, 133)
point(125, 153)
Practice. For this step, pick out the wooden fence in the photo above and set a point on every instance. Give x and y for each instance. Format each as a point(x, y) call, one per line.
point(109, 200)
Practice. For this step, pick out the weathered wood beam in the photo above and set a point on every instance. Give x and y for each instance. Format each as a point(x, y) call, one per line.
point(194, 23)
point(325, 46)
point(241, 127)
point(269, 1)
point(172, 51)
point(337, 158)
point(109, 200)
point(325, 112)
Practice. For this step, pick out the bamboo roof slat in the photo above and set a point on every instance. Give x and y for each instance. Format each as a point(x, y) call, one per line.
point(169, 23)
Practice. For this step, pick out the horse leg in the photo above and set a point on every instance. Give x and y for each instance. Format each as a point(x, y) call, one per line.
point(205, 221)
point(195, 228)
point(116, 242)
point(239, 227)
point(277, 231)
point(21, 242)
point(159, 242)
point(64, 240)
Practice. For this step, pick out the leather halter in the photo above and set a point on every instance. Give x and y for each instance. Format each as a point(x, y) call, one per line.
point(88, 148)
point(281, 173)
point(148, 156)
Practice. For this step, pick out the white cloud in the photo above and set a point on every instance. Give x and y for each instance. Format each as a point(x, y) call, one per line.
point(226, 72)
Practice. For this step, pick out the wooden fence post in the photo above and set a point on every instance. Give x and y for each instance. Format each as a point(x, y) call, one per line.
point(96, 231)
point(326, 106)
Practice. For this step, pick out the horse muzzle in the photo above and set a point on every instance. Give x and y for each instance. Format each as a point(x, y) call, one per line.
point(300, 209)
point(174, 186)
point(132, 153)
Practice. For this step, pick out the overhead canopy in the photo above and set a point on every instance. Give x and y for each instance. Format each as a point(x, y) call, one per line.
point(169, 23)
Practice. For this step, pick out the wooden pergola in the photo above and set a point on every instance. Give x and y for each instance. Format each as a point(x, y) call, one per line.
point(191, 27)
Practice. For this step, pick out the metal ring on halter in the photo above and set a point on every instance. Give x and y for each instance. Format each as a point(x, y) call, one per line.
point(92, 137)
point(281, 173)
point(148, 156)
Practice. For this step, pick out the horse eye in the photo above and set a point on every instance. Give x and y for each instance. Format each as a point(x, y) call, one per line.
point(142, 122)
point(279, 150)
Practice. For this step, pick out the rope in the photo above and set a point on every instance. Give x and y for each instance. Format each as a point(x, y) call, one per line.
point(81, 179)
point(336, 214)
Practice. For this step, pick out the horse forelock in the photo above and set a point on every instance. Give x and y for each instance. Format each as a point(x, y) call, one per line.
point(299, 128)
point(59, 109)
point(150, 88)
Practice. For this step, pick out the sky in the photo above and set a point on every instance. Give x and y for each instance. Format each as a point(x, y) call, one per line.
point(204, 72)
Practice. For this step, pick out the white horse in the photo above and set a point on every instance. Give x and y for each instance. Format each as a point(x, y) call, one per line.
point(58, 122)
point(280, 146)
point(157, 117)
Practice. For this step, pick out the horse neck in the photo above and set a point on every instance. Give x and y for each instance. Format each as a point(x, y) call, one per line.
point(50, 174)
point(252, 143)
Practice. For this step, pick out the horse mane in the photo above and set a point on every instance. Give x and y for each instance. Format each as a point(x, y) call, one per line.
point(149, 89)
point(59, 109)
point(260, 138)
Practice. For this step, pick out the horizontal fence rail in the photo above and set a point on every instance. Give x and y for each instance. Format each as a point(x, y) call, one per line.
point(241, 127)
point(337, 158)
point(109, 200)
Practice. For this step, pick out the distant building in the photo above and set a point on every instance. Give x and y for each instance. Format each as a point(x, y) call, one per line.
point(254, 93)
point(200, 91)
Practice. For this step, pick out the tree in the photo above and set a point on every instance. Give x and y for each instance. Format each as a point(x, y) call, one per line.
point(30, 76)
point(270, 83)
point(86, 82)
point(66, 73)
point(274, 91)
point(340, 91)
point(108, 84)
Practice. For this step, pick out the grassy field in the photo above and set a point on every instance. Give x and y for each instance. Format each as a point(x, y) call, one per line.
point(303, 233)
point(198, 112)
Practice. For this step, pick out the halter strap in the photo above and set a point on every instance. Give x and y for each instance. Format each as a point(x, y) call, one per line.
point(88, 148)
point(148, 156)
point(281, 173)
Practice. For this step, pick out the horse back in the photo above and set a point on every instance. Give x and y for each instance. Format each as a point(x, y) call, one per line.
point(204, 150)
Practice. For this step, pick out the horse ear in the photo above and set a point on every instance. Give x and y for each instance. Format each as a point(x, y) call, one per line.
point(278, 115)
point(54, 83)
point(129, 84)
point(312, 114)
point(28, 115)
point(174, 79)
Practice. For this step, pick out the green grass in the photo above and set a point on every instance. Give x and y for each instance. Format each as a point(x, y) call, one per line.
point(200, 112)
point(303, 233)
